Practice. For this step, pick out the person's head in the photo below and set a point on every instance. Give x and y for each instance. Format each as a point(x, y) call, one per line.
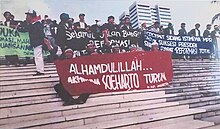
point(64, 17)
point(111, 19)
point(46, 17)
point(68, 53)
point(183, 25)
point(98, 22)
point(81, 17)
point(216, 27)
point(197, 25)
point(90, 47)
point(133, 48)
point(30, 14)
point(71, 20)
point(170, 25)
point(7, 15)
point(115, 48)
point(54, 22)
point(127, 20)
point(208, 26)
point(144, 25)
point(12, 17)
point(156, 24)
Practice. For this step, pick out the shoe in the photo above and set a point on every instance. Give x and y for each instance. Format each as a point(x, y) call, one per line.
point(82, 98)
point(38, 74)
point(17, 65)
point(71, 102)
point(79, 101)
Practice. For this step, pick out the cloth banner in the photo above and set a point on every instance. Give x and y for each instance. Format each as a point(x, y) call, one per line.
point(179, 45)
point(78, 39)
point(13, 42)
point(115, 72)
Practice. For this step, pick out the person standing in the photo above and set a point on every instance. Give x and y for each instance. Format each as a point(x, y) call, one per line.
point(195, 31)
point(111, 25)
point(182, 31)
point(156, 28)
point(215, 35)
point(126, 25)
point(49, 32)
point(207, 32)
point(7, 16)
point(36, 34)
point(169, 30)
point(61, 38)
point(81, 25)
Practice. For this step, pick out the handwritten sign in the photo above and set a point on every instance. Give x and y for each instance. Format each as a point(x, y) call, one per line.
point(179, 45)
point(115, 72)
point(13, 42)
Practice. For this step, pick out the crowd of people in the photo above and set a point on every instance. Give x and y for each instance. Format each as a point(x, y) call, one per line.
point(47, 32)
point(169, 30)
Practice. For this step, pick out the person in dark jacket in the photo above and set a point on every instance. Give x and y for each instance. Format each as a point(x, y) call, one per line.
point(111, 25)
point(81, 25)
point(207, 32)
point(169, 30)
point(61, 38)
point(36, 34)
point(196, 31)
point(182, 31)
point(8, 20)
point(126, 24)
point(63, 93)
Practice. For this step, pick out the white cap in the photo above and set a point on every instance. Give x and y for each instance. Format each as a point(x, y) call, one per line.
point(69, 49)
point(32, 12)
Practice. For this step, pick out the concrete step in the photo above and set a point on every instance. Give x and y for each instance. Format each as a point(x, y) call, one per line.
point(70, 110)
point(212, 127)
point(80, 113)
point(194, 71)
point(19, 87)
point(108, 115)
point(215, 119)
point(211, 110)
point(149, 125)
point(202, 101)
point(187, 88)
point(30, 81)
point(29, 66)
point(208, 73)
point(25, 74)
point(139, 120)
point(31, 100)
point(25, 110)
point(27, 77)
point(190, 79)
point(14, 100)
point(193, 65)
point(194, 124)
point(27, 99)
point(26, 93)
point(24, 70)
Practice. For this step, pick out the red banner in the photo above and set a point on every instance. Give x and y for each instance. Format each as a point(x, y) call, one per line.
point(115, 72)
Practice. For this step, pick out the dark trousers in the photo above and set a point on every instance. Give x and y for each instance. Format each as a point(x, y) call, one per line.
point(66, 97)
point(62, 93)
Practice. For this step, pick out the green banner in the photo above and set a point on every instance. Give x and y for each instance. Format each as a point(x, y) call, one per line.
point(13, 42)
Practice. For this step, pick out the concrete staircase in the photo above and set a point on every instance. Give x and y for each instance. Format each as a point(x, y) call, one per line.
point(191, 101)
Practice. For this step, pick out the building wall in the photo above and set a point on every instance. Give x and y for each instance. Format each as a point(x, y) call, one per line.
point(140, 12)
